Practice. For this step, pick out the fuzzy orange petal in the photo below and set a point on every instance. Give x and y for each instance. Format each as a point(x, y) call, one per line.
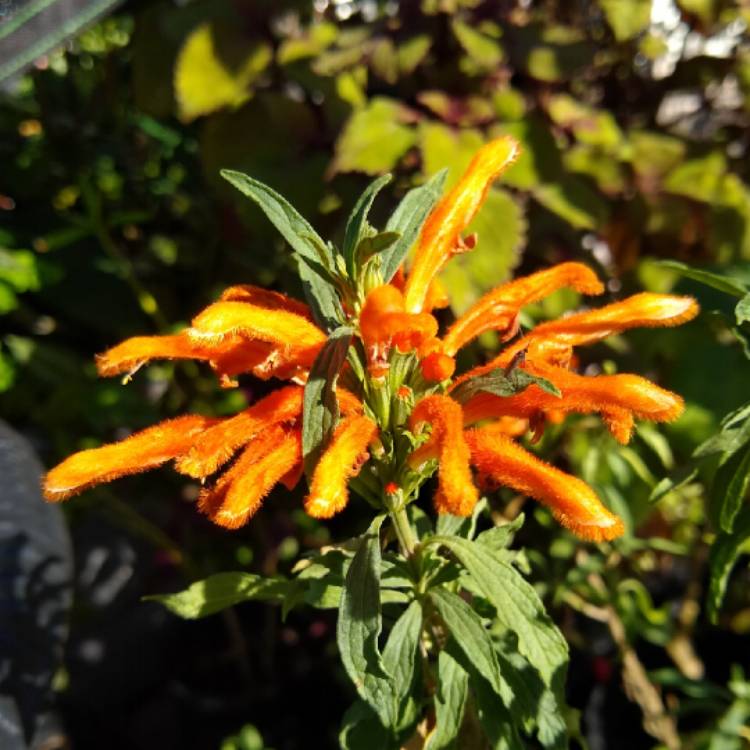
point(141, 451)
point(261, 297)
point(219, 443)
point(498, 309)
point(441, 232)
point(134, 352)
point(342, 459)
point(264, 463)
point(645, 310)
point(610, 395)
point(573, 503)
point(251, 322)
point(456, 492)
point(384, 321)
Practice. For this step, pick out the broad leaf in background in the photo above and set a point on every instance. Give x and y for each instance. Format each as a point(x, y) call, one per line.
point(220, 591)
point(320, 409)
point(310, 249)
point(374, 138)
point(215, 69)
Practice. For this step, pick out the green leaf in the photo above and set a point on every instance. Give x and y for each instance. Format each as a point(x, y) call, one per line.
point(730, 486)
point(715, 280)
point(574, 201)
point(374, 138)
point(495, 718)
point(361, 730)
point(501, 383)
point(400, 661)
point(305, 242)
point(220, 591)
point(501, 537)
point(627, 18)
point(475, 651)
point(485, 52)
point(377, 243)
point(724, 554)
point(742, 310)
point(450, 525)
point(215, 69)
point(450, 703)
point(412, 52)
point(500, 226)
point(7, 372)
point(408, 219)
point(518, 606)
point(359, 626)
point(320, 409)
point(699, 179)
point(356, 224)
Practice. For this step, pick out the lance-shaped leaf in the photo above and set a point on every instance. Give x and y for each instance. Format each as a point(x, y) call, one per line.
point(359, 626)
point(408, 219)
point(320, 409)
point(471, 646)
point(729, 489)
point(501, 537)
point(501, 383)
point(356, 225)
point(518, 606)
point(724, 553)
point(723, 283)
point(220, 591)
point(310, 249)
point(450, 703)
point(400, 661)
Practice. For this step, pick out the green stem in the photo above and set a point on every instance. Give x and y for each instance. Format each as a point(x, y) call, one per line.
point(404, 531)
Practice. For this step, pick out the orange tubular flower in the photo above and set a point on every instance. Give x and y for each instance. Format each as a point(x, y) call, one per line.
point(499, 308)
point(440, 237)
point(573, 503)
point(141, 451)
point(240, 491)
point(342, 460)
point(456, 491)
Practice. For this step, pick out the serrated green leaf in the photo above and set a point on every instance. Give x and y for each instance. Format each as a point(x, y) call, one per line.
point(518, 606)
point(450, 703)
point(730, 487)
point(724, 553)
point(220, 591)
point(501, 383)
point(450, 525)
point(501, 537)
point(408, 219)
point(357, 221)
point(304, 240)
point(320, 409)
point(374, 138)
point(474, 649)
point(715, 280)
point(359, 626)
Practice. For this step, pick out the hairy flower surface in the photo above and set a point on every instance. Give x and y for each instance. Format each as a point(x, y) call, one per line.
point(385, 412)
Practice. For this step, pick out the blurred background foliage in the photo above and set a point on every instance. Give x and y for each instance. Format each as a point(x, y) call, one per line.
point(633, 116)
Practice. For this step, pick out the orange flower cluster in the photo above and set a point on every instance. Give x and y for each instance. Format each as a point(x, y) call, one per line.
point(266, 334)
